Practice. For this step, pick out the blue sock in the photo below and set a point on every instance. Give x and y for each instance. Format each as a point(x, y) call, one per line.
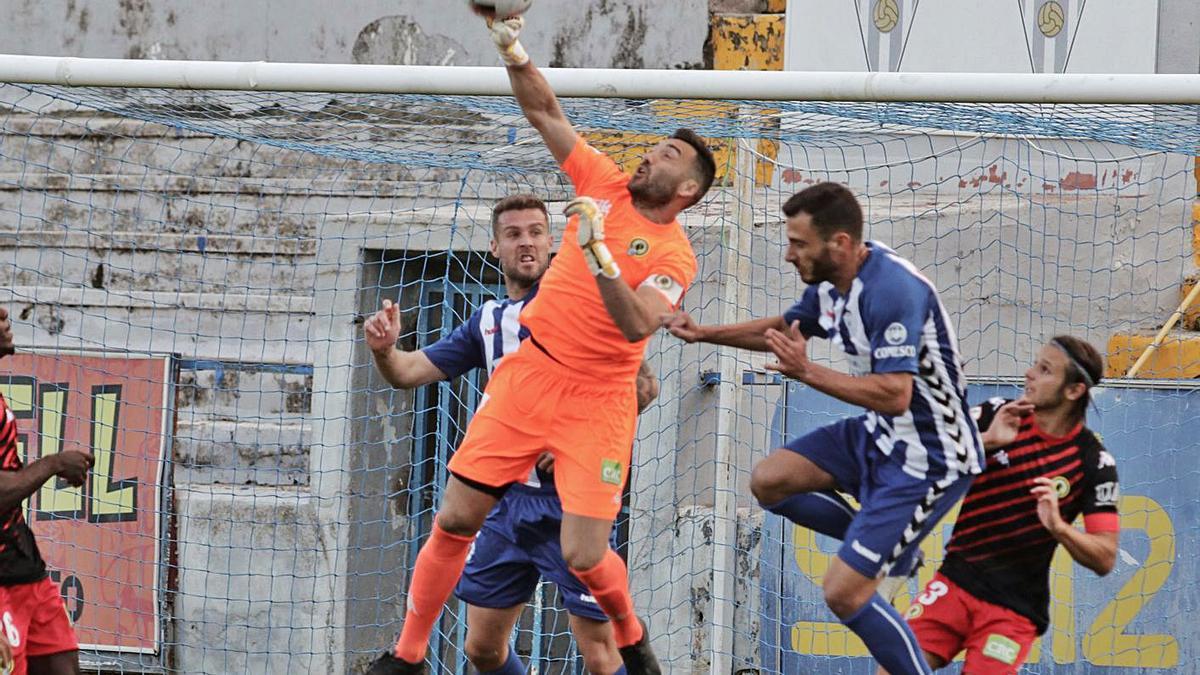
point(889, 638)
point(512, 666)
point(824, 512)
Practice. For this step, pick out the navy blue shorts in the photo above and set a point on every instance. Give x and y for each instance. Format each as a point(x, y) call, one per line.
point(890, 499)
point(518, 545)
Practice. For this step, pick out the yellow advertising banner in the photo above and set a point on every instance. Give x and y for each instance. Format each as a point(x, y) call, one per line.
point(103, 541)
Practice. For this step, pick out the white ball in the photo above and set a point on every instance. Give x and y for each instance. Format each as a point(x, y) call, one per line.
point(504, 9)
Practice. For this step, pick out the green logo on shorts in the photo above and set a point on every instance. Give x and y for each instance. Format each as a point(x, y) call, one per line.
point(610, 471)
point(1002, 649)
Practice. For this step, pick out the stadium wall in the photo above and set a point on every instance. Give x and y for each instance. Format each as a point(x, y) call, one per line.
point(414, 32)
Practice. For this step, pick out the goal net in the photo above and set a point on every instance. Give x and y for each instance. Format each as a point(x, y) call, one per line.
point(188, 272)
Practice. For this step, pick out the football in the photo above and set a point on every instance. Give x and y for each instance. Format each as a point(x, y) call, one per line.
point(504, 9)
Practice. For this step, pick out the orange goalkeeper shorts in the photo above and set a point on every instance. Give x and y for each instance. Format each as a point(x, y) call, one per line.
point(534, 404)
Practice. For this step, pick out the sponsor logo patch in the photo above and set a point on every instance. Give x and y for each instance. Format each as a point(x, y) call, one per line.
point(638, 247)
point(610, 472)
point(1062, 486)
point(1107, 493)
point(895, 333)
point(897, 352)
point(1004, 650)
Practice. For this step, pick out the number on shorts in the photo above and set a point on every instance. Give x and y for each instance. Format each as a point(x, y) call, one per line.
point(11, 632)
point(935, 590)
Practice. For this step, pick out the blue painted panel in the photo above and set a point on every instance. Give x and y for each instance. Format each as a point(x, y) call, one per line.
point(1140, 618)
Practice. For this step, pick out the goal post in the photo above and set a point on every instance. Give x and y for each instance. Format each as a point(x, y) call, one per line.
point(1170, 88)
point(246, 217)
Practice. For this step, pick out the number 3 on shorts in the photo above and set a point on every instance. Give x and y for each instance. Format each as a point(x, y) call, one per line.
point(935, 590)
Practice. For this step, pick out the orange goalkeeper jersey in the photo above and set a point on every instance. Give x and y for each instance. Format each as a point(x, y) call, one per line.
point(569, 318)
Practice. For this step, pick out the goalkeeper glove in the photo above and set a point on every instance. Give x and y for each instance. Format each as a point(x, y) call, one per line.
point(591, 237)
point(504, 34)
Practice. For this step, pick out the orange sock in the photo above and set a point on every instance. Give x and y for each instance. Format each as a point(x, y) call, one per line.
point(608, 582)
point(439, 565)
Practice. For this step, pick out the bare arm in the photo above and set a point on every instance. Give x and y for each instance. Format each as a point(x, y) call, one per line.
point(401, 369)
point(1096, 551)
point(531, 89)
point(647, 387)
point(637, 313)
point(17, 486)
point(749, 335)
point(888, 393)
point(407, 370)
point(541, 108)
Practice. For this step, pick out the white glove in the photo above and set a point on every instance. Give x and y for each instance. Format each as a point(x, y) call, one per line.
point(591, 237)
point(504, 34)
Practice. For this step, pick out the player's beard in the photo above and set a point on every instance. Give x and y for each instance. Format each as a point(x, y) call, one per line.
point(650, 193)
point(822, 269)
point(526, 280)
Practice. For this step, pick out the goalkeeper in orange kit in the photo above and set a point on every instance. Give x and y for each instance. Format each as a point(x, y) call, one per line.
point(570, 388)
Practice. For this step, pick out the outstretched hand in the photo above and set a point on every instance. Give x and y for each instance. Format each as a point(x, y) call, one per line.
point(504, 34)
point(1006, 424)
point(382, 329)
point(590, 231)
point(791, 351)
point(683, 326)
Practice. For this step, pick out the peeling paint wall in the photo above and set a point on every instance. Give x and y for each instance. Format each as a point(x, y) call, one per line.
point(609, 33)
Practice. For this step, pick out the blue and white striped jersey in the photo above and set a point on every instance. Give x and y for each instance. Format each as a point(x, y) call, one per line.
point(892, 321)
point(491, 332)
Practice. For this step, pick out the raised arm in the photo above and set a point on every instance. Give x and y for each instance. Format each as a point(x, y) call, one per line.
point(531, 89)
point(401, 369)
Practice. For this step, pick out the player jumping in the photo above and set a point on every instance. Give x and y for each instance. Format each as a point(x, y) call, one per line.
point(909, 458)
point(35, 621)
point(519, 542)
point(570, 387)
point(991, 596)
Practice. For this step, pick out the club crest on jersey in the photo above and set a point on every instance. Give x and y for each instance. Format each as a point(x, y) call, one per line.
point(610, 472)
point(1062, 486)
point(638, 247)
point(895, 334)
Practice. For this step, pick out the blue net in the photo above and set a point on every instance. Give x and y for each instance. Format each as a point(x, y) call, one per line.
point(215, 253)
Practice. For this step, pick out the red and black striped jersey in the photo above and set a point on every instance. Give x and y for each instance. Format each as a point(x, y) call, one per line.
point(999, 551)
point(20, 560)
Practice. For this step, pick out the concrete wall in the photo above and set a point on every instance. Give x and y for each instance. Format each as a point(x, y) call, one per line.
point(616, 34)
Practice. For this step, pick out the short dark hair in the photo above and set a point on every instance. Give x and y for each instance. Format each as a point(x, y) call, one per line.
point(1081, 355)
point(706, 165)
point(517, 202)
point(833, 209)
